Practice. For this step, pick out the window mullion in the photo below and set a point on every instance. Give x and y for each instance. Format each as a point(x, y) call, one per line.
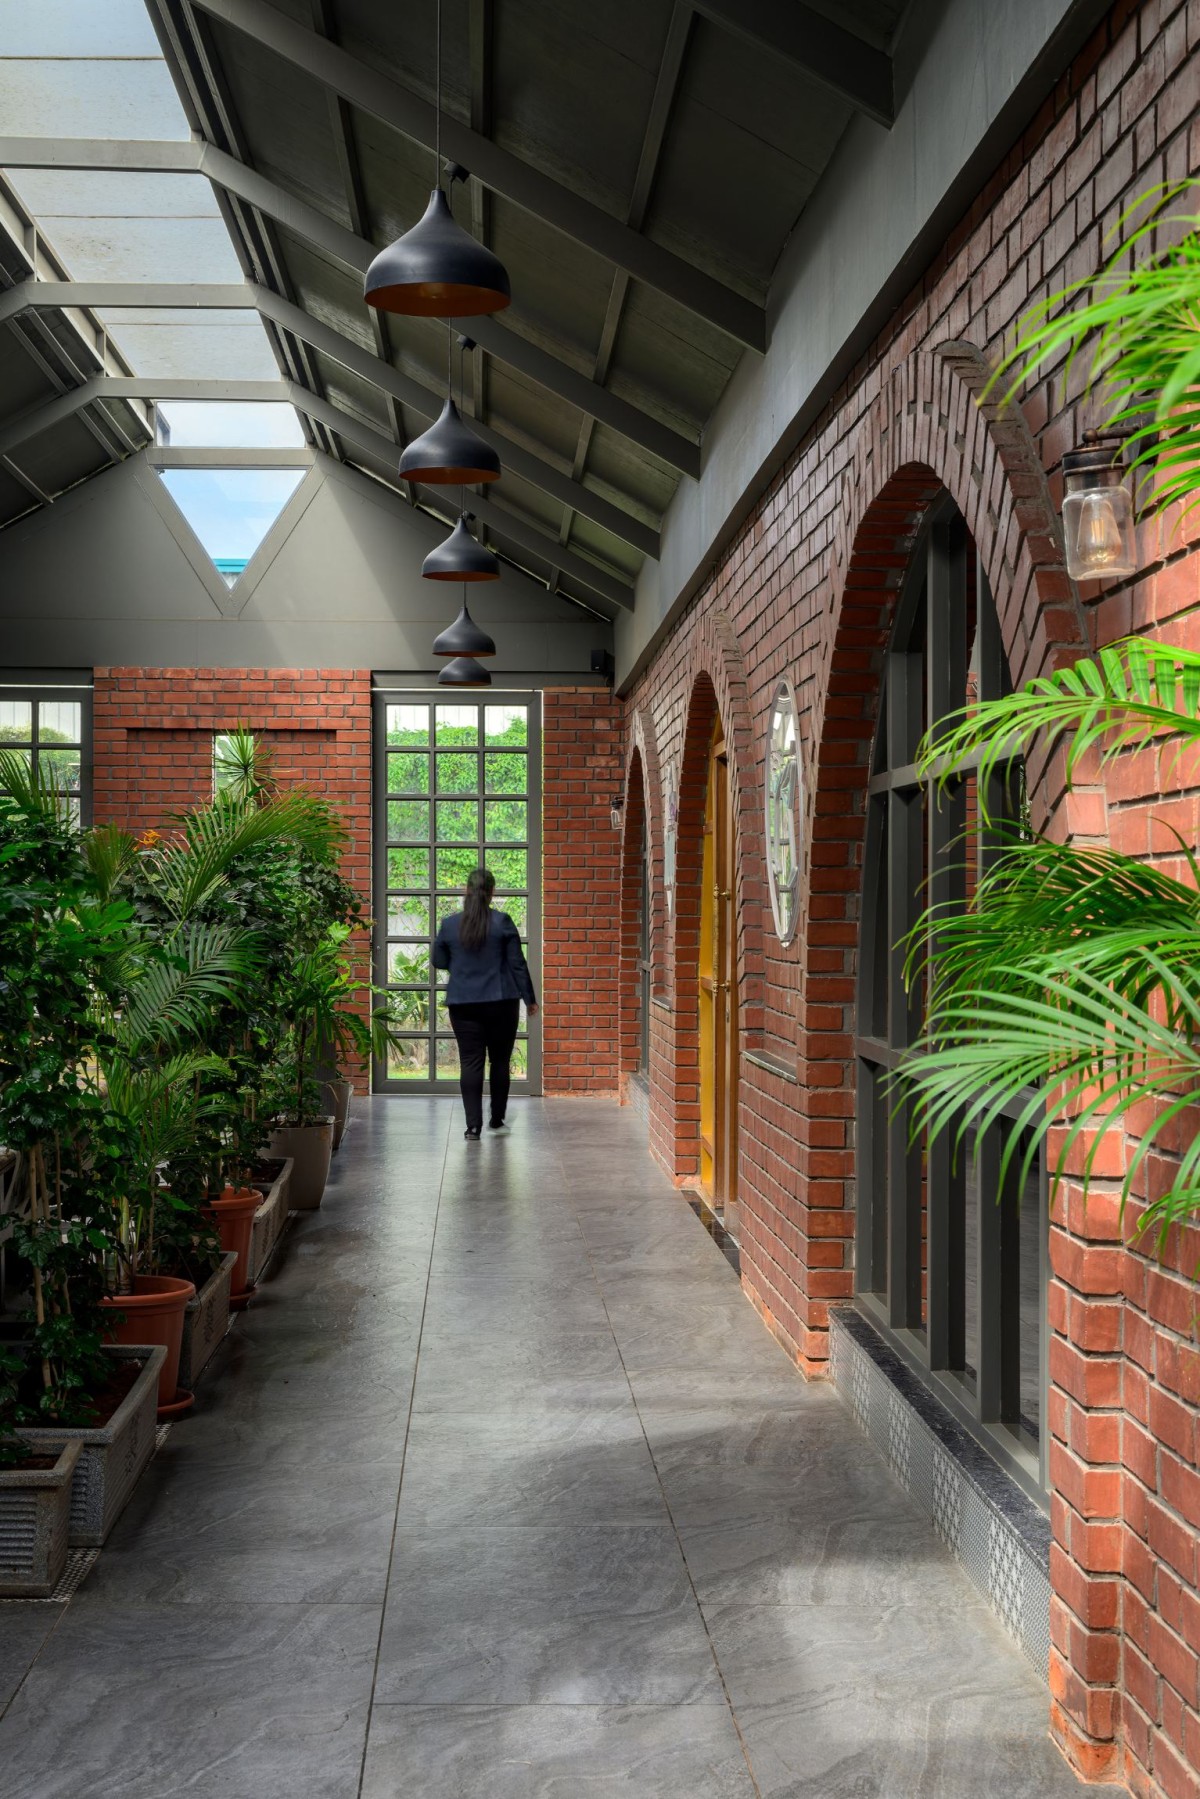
point(905, 1172)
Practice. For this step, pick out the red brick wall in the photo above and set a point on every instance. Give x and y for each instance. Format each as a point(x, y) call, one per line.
point(153, 735)
point(806, 590)
point(582, 763)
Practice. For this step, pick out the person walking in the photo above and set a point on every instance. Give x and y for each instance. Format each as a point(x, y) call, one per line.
point(489, 977)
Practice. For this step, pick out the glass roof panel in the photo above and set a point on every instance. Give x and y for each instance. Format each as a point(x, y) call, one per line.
point(200, 424)
point(93, 68)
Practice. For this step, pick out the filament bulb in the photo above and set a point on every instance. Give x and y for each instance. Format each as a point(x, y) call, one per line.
point(1098, 542)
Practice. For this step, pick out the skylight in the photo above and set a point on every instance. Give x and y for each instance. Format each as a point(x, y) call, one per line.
point(199, 424)
point(231, 510)
point(93, 68)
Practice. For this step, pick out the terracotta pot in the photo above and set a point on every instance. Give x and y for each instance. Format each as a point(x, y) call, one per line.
point(233, 1215)
point(310, 1147)
point(153, 1314)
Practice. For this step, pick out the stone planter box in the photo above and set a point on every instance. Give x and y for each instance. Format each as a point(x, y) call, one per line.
point(113, 1455)
point(205, 1322)
point(35, 1525)
point(270, 1218)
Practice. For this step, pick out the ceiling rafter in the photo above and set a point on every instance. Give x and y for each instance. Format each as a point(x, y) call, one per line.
point(402, 110)
point(666, 88)
point(102, 389)
point(355, 254)
point(839, 59)
point(362, 362)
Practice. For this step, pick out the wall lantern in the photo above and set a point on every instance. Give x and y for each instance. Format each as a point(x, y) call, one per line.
point(464, 671)
point(464, 637)
point(460, 558)
point(449, 454)
point(1097, 511)
point(784, 794)
point(617, 811)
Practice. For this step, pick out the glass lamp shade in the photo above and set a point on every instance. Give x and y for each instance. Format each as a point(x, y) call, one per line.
point(1097, 515)
point(437, 270)
point(449, 454)
point(460, 558)
point(464, 671)
point(463, 638)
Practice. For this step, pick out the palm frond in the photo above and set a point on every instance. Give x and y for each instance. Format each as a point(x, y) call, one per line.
point(176, 994)
point(31, 788)
point(192, 867)
point(1128, 695)
point(111, 854)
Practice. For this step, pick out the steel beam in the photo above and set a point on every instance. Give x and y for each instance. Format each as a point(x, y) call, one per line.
point(389, 381)
point(128, 387)
point(206, 456)
point(498, 169)
point(355, 430)
point(840, 60)
point(356, 253)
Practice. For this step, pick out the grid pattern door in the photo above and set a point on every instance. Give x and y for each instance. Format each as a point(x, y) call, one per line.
point(457, 784)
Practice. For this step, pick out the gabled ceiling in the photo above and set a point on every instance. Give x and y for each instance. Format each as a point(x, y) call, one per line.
point(637, 164)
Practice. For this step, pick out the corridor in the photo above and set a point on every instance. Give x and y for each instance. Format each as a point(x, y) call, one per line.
point(500, 1490)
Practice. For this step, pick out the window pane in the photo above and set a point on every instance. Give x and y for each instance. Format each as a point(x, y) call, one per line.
point(63, 768)
point(408, 818)
point(516, 907)
point(447, 1059)
point(407, 725)
point(408, 868)
point(408, 1008)
point(508, 866)
point(504, 773)
point(407, 917)
point(59, 721)
point(26, 756)
point(520, 1059)
point(1030, 1229)
point(408, 1059)
point(457, 774)
point(408, 774)
point(16, 721)
point(504, 821)
point(458, 821)
point(507, 724)
point(453, 867)
point(457, 725)
point(408, 963)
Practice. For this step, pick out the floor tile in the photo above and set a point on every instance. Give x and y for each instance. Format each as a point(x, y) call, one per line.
point(24, 1630)
point(543, 1616)
point(555, 1752)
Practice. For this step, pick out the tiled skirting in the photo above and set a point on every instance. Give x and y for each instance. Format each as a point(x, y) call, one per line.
point(995, 1531)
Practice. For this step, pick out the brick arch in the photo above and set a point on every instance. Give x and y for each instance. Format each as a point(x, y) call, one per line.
point(642, 811)
point(932, 428)
point(716, 688)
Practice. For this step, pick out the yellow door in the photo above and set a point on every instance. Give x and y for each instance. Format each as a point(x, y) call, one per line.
point(718, 997)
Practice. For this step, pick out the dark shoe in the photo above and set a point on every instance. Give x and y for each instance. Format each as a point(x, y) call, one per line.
point(472, 1136)
point(495, 1124)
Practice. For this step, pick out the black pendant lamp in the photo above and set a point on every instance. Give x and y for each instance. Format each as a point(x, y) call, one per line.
point(437, 270)
point(464, 672)
point(464, 637)
point(450, 454)
point(460, 558)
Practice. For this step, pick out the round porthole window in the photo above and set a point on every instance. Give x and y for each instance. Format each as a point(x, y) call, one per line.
point(785, 798)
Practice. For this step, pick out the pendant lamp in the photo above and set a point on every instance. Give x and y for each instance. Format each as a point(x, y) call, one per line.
point(449, 454)
point(437, 270)
point(460, 558)
point(464, 672)
point(464, 637)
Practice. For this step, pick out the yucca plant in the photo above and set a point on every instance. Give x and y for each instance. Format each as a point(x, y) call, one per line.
point(1140, 329)
point(1069, 991)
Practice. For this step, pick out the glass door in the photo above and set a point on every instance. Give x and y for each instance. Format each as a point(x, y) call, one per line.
point(457, 784)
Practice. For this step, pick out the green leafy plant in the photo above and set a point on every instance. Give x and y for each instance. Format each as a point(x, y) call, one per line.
point(1141, 328)
point(324, 1024)
point(1069, 991)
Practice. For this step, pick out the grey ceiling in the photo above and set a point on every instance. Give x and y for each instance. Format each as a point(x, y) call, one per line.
point(696, 125)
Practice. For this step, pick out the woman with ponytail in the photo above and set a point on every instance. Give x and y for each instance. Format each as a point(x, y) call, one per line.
point(489, 978)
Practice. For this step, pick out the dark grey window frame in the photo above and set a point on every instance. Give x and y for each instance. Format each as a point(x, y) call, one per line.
point(645, 977)
point(70, 687)
point(908, 830)
point(410, 694)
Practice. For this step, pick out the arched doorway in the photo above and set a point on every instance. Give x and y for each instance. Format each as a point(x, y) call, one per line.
point(951, 1257)
point(717, 991)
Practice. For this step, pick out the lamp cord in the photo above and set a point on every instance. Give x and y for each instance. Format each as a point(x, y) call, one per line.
point(437, 129)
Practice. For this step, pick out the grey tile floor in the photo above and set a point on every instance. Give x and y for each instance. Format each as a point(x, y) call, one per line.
point(501, 1490)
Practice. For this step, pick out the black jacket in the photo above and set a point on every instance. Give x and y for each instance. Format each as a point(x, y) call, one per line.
point(496, 970)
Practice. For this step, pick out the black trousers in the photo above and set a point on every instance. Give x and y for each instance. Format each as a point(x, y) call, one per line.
point(486, 1029)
